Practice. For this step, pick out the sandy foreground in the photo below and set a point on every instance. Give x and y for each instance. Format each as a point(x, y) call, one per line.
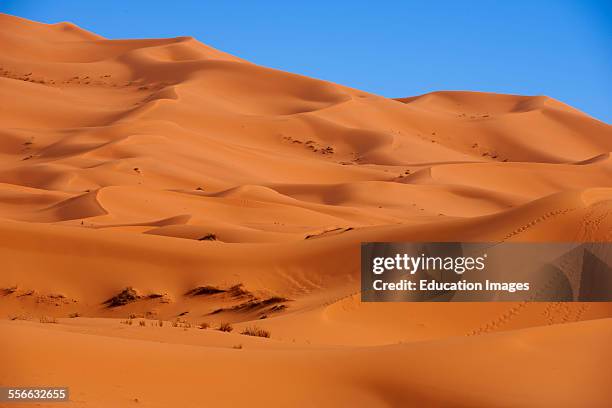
point(151, 190)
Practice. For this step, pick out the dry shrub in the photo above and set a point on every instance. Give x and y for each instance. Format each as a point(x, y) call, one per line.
point(127, 295)
point(181, 323)
point(237, 346)
point(260, 303)
point(47, 319)
point(204, 290)
point(208, 237)
point(238, 290)
point(226, 327)
point(142, 323)
point(278, 308)
point(73, 315)
point(8, 291)
point(256, 331)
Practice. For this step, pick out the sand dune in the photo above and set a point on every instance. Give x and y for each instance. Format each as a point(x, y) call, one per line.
point(192, 186)
point(442, 373)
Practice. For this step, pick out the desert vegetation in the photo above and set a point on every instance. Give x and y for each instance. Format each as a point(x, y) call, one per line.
point(226, 327)
point(127, 295)
point(208, 237)
point(256, 331)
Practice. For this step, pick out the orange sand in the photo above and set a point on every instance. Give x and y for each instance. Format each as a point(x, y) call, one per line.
point(120, 156)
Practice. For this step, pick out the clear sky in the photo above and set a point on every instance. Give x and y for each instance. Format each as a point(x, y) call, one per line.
point(559, 48)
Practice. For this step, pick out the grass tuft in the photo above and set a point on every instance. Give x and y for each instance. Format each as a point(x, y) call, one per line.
point(256, 331)
point(226, 327)
point(47, 319)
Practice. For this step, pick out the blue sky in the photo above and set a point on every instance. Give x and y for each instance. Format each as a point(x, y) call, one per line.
point(559, 48)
